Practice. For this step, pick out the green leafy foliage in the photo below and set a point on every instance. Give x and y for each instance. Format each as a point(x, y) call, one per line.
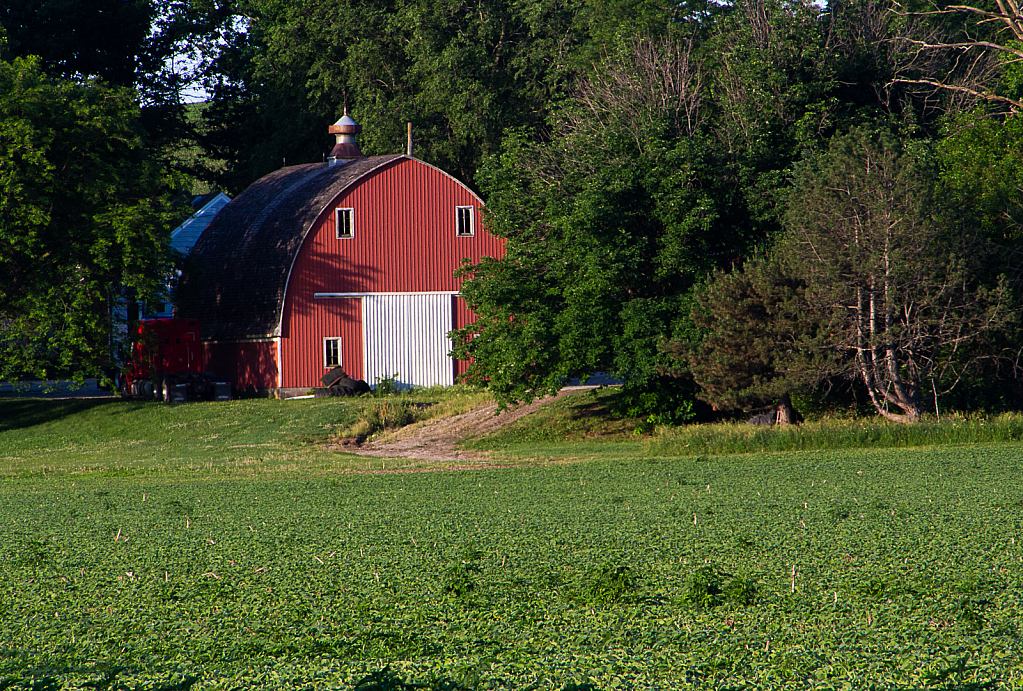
point(387, 386)
point(873, 282)
point(144, 46)
point(956, 675)
point(664, 402)
point(608, 584)
point(387, 680)
point(980, 174)
point(462, 575)
point(84, 221)
point(709, 587)
point(84, 40)
point(756, 331)
point(980, 171)
point(281, 568)
point(897, 290)
point(606, 229)
point(459, 73)
point(671, 159)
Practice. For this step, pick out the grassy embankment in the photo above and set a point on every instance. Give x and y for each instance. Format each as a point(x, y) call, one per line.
point(220, 548)
point(250, 436)
point(111, 436)
point(581, 426)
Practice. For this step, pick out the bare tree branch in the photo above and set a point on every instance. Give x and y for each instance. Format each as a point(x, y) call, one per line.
point(657, 79)
point(1015, 103)
point(966, 45)
point(968, 65)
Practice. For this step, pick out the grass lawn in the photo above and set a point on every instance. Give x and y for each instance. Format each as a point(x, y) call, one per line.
point(242, 437)
point(216, 546)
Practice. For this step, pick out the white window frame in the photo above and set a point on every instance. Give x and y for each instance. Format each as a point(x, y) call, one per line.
point(336, 340)
point(458, 221)
point(339, 213)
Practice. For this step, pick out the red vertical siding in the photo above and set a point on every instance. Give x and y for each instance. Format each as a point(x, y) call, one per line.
point(249, 366)
point(313, 320)
point(404, 241)
point(461, 316)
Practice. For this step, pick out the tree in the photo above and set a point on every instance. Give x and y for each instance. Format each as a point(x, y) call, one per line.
point(608, 225)
point(773, 78)
point(980, 173)
point(894, 284)
point(84, 216)
point(459, 72)
point(872, 282)
point(82, 39)
point(758, 344)
point(127, 43)
point(668, 161)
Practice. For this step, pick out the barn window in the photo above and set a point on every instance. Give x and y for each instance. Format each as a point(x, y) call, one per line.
point(465, 221)
point(345, 222)
point(331, 352)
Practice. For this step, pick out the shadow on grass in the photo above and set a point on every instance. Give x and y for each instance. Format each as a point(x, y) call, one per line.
point(593, 410)
point(21, 413)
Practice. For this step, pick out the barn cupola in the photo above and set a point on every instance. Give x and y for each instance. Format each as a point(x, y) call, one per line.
point(346, 148)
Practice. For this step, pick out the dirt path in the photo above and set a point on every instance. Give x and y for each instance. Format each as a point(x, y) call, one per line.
point(435, 440)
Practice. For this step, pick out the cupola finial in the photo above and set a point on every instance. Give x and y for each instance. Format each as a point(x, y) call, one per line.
point(344, 131)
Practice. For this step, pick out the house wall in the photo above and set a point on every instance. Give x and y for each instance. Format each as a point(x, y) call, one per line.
point(404, 242)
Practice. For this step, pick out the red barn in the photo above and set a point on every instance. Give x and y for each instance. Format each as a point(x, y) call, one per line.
point(348, 262)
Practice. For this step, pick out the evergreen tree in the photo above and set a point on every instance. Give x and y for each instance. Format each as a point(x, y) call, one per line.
point(873, 281)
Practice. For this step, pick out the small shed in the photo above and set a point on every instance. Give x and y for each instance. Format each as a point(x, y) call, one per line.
point(345, 263)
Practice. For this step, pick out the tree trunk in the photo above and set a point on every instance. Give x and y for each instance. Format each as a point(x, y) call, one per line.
point(898, 393)
point(785, 414)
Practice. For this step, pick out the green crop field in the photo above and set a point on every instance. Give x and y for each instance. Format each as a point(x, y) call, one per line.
point(846, 569)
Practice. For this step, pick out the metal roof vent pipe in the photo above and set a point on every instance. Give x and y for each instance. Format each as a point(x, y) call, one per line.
point(346, 148)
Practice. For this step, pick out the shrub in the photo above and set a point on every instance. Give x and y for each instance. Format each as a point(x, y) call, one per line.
point(608, 583)
point(709, 587)
point(661, 402)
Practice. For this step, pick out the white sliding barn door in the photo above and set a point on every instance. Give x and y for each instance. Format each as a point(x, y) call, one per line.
point(407, 335)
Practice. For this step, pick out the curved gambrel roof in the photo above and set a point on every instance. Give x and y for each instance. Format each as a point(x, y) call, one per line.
point(238, 270)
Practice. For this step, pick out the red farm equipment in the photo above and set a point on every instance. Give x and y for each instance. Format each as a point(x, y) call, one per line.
point(166, 364)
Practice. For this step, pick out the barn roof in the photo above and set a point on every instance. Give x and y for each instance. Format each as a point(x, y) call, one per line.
point(239, 268)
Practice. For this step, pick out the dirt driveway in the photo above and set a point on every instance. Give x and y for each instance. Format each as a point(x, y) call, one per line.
point(435, 440)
